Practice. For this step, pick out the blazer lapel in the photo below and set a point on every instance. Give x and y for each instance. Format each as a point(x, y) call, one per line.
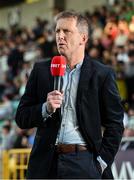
point(51, 82)
point(51, 88)
point(85, 76)
point(50, 79)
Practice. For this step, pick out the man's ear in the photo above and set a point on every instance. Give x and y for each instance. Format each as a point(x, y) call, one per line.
point(84, 39)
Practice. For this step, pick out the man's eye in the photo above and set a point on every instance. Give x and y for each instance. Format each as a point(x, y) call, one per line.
point(66, 31)
point(57, 31)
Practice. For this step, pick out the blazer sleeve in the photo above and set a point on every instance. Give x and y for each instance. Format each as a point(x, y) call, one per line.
point(112, 118)
point(29, 111)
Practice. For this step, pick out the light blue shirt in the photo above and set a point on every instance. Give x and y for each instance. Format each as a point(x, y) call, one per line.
point(69, 131)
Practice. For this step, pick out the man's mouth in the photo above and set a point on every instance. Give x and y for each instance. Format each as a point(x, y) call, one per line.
point(61, 44)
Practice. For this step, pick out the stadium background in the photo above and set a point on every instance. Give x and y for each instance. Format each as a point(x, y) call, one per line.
point(27, 36)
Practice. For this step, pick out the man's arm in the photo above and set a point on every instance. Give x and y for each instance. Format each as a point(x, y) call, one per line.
point(112, 118)
point(29, 112)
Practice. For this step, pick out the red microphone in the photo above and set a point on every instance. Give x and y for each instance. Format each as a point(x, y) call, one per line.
point(58, 68)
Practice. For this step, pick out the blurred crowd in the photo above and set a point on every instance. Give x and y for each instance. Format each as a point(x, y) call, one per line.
point(111, 41)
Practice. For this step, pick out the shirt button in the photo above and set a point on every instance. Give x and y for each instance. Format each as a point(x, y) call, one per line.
point(63, 125)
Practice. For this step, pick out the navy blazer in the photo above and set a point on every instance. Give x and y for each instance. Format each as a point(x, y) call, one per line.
point(98, 105)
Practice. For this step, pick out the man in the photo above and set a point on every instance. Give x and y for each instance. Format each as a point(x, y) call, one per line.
point(69, 142)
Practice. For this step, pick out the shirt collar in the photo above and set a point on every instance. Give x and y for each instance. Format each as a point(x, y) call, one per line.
point(77, 66)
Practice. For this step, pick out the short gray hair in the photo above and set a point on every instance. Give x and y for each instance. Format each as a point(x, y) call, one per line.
point(81, 21)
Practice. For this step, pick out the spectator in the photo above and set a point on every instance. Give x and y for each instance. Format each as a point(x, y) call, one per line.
point(21, 139)
point(7, 140)
point(130, 76)
point(129, 131)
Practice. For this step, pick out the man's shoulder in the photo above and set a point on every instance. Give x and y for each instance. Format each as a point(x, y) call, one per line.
point(99, 69)
point(43, 63)
point(98, 65)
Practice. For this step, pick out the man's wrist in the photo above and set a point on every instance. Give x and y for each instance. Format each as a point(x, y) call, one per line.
point(45, 113)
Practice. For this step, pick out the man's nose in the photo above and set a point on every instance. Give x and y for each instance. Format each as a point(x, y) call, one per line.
point(61, 35)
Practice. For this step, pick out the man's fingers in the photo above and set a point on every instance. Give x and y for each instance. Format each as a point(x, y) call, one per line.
point(57, 97)
point(55, 92)
point(54, 100)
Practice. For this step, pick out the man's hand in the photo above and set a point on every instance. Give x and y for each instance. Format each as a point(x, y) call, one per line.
point(54, 101)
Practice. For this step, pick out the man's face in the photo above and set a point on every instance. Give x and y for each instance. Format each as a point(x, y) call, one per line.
point(68, 37)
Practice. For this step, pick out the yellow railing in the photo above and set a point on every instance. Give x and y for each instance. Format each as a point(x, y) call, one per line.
point(14, 163)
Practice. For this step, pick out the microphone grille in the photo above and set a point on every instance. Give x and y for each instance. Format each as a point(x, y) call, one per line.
point(58, 66)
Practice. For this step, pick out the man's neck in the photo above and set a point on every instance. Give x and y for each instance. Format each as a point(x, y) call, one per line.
point(73, 61)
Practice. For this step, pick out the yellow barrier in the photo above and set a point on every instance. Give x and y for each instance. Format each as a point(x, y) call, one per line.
point(14, 163)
